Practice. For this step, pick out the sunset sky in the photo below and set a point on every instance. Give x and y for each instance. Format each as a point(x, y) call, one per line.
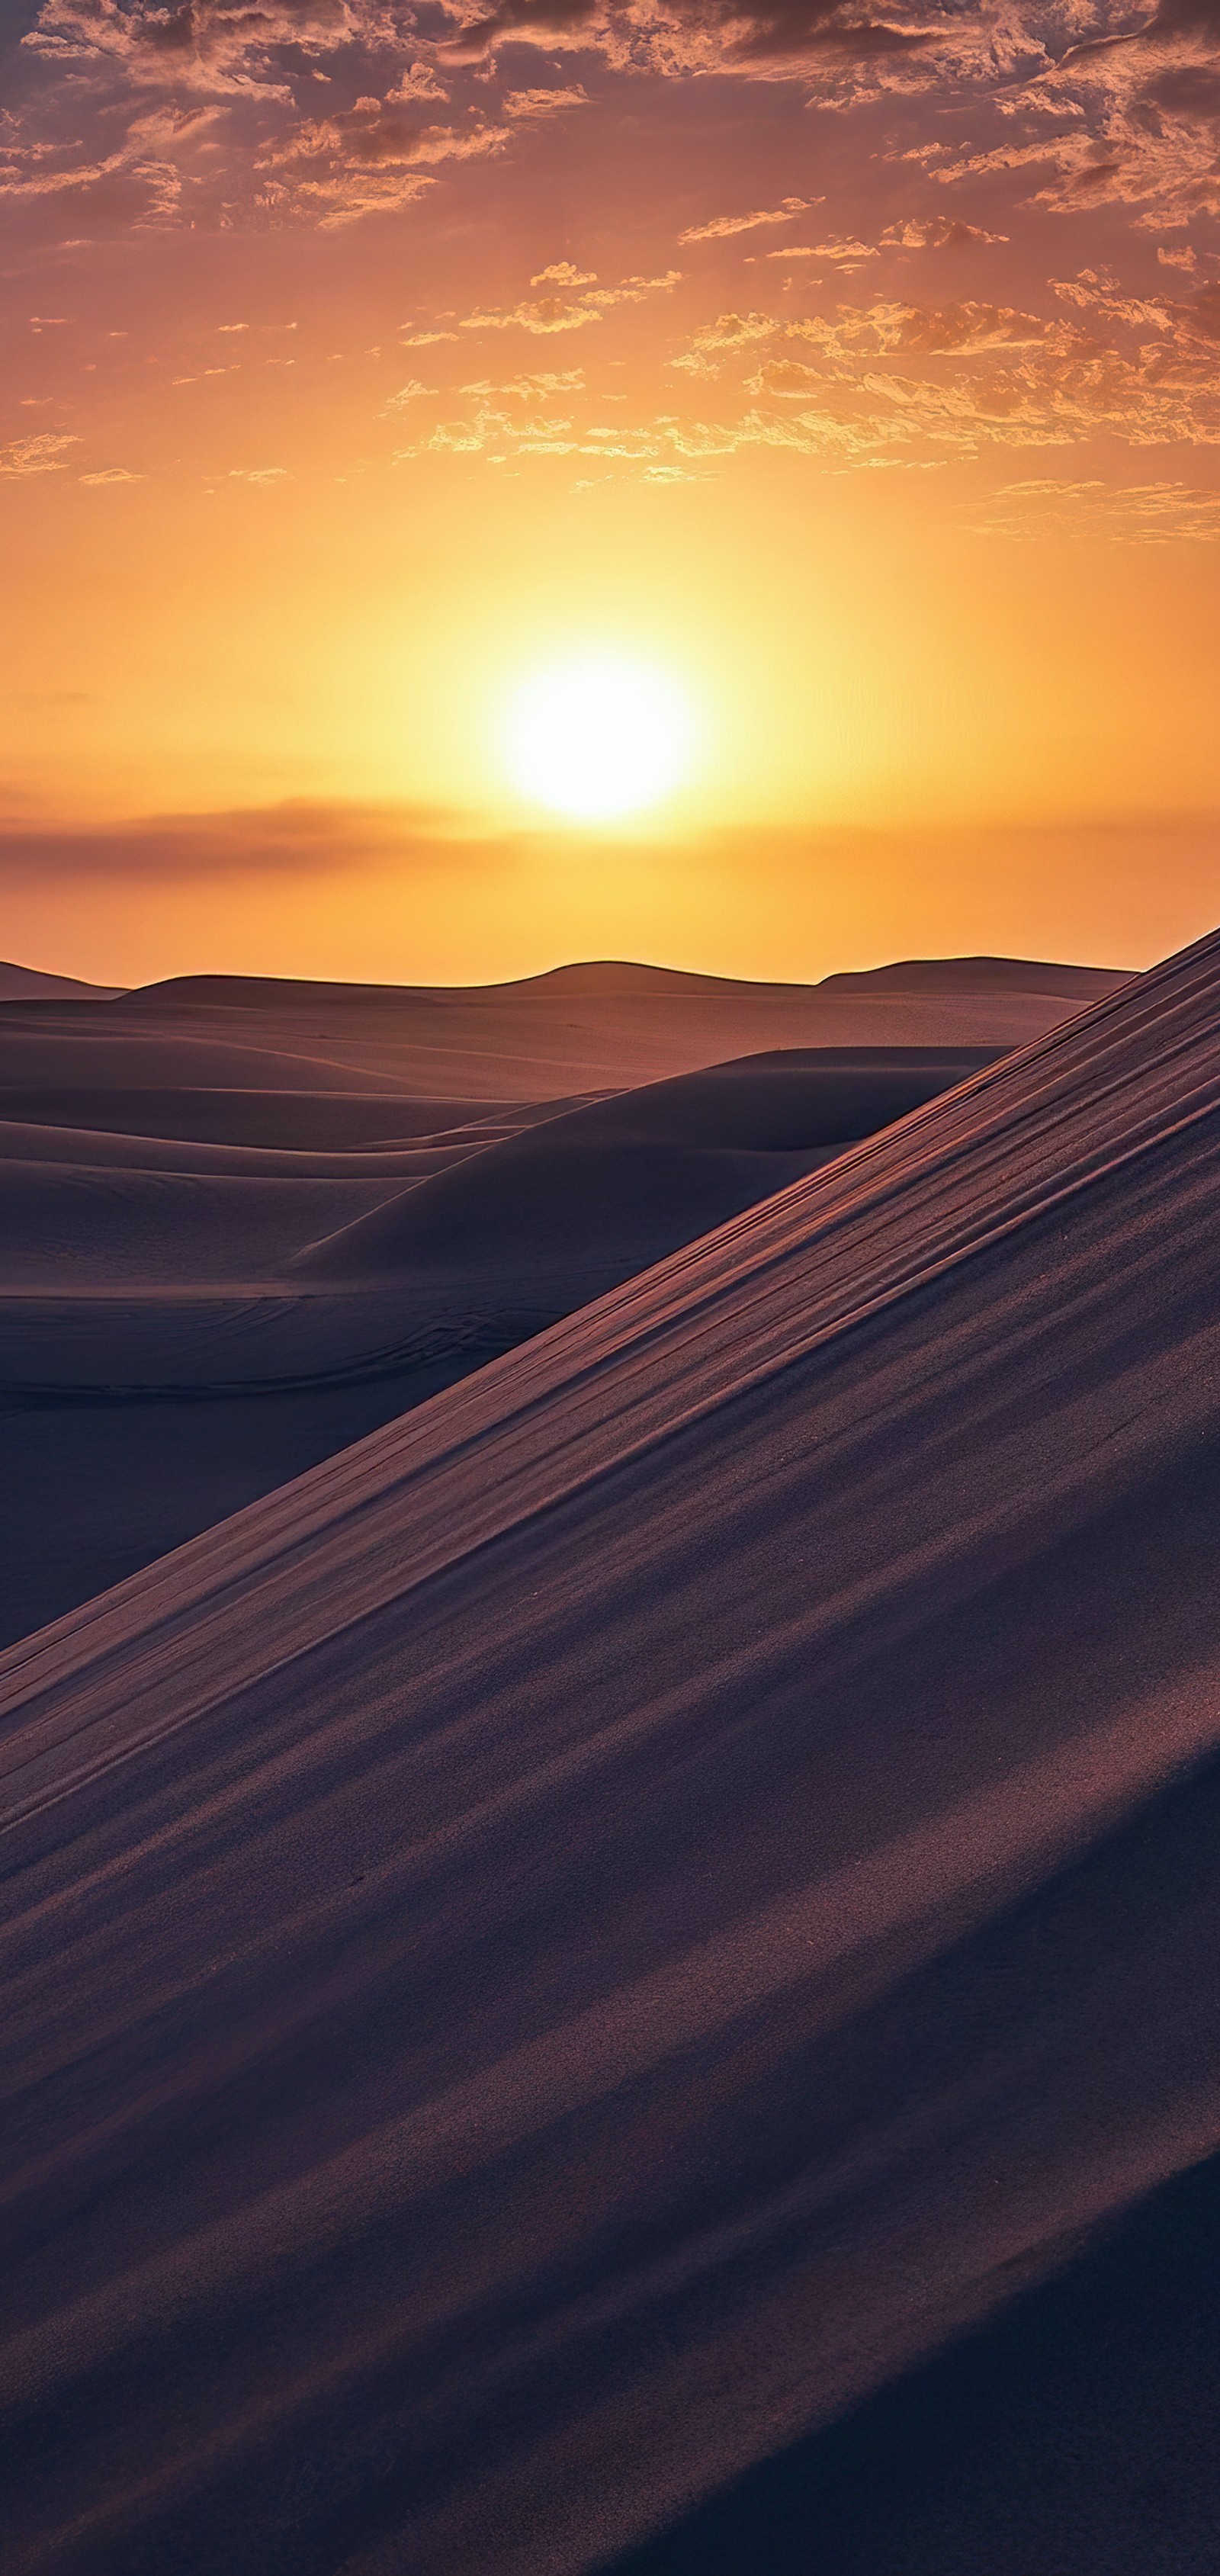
point(861, 374)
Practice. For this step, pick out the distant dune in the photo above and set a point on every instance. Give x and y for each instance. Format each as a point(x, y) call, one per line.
point(1080, 984)
point(26, 984)
point(603, 1922)
point(241, 1223)
point(624, 979)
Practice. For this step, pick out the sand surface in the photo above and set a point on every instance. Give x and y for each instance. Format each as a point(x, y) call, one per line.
point(242, 1223)
point(606, 1920)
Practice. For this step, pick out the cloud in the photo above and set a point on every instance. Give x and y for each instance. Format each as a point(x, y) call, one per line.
point(111, 474)
point(1129, 118)
point(785, 377)
point(721, 338)
point(530, 106)
point(1164, 513)
point(894, 382)
point(139, 181)
point(300, 837)
point(938, 232)
point(677, 37)
point(884, 382)
point(812, 433)
point(962, 329)
point(364, 162)
point(724, 227)
point(500, 435)
point(569, 311)
point(418, 81)
point(541, 387)
point(541, 314)
point(844, 251)
point(163, 100)
point(459, 438)
point(562, 273)
point(1201, 317)
point(46, 453)
point(409, 393)
point(208, 46)
point(458, 143)
point(1144, 100)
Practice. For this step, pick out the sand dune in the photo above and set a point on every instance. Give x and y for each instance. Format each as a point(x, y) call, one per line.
point(176, 1343)
point(591, 1197)
point(579, 1029)
point(587, 1932)
point(28, 984)
point(977, 975)
point(200, 1294)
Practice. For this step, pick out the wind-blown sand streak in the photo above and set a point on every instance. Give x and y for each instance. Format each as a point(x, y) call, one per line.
point(573, 1941)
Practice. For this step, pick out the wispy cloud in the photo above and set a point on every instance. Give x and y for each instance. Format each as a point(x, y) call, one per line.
point(44, 453)
point(841, 251)
point(578, 301)
point(364, 162)
point(533, 106)
point(725, 337)
point(412, 392)
point(725, 227)
point(297, 837)
point(938, 232)
point(1157, 514)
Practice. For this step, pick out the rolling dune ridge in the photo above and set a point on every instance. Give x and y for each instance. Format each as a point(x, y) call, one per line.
point(216, 1263)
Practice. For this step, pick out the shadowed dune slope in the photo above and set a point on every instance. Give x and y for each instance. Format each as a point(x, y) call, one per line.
point(1075, 2433)
point(255, 1116)
point(589, 1931)
point(589, 1198)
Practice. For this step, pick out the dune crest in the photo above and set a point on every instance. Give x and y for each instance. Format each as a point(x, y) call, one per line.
point(608, 1917)
point(29, 984)
point(1080, 984)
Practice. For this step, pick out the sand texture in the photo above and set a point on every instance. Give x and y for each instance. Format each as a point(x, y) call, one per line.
point(242, 1224)
point(602, 1922)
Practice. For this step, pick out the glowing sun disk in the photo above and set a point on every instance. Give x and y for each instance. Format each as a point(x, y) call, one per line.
point(599, 736)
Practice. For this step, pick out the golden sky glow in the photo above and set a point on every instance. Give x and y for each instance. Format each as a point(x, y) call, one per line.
point(361, 361)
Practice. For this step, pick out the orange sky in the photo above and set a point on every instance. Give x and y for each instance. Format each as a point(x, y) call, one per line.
point(359, 358)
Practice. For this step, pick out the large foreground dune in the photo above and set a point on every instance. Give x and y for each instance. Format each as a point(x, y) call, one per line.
point(244, 1222)
point(594, 1928)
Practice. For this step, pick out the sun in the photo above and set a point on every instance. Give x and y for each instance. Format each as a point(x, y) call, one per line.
point(599, 735)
